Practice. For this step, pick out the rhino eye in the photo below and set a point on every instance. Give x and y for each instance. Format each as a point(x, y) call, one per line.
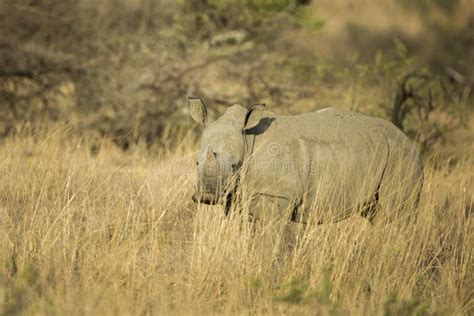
point(234, 167)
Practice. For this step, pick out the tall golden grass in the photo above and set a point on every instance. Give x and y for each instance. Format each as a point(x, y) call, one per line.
point(117, 233)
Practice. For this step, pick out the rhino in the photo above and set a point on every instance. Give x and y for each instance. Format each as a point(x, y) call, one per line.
point(321, 166)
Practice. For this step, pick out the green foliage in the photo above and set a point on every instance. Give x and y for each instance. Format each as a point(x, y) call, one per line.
point(20, 290)
point(267, 7)
point(401, 50)
point(414, 94)
point(388, 69)
point(298, 291)
point(306, 19)
point(251, 14)
point(123, 69)
point(394, 306)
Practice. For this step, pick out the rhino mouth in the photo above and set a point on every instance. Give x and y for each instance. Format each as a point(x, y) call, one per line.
point(206, 198)
point(214, 195)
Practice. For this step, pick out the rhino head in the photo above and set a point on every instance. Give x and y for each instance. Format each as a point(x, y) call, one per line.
point(222, 149)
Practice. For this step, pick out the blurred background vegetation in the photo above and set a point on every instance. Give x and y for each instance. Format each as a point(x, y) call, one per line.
point(122, 69)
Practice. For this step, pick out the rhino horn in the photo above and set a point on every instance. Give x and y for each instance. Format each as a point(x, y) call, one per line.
point(210, 156)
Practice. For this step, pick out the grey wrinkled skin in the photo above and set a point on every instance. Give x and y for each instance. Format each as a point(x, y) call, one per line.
point(321, 166)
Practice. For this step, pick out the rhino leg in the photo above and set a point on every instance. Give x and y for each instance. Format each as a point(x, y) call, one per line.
point(265, 208)
point(274, 215)
point(401, 185)
point(370, 208)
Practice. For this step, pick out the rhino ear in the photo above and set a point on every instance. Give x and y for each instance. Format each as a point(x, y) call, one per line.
point(253, 116)
point(198, 110)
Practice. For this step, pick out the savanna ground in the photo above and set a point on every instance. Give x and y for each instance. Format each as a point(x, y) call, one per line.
point(117, 233)
point(97, 156)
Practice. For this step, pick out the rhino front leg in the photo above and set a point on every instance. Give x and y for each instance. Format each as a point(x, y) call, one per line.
point(274, 215)
point(266, 208)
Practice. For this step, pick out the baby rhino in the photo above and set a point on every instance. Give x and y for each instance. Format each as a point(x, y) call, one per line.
point(320, 167)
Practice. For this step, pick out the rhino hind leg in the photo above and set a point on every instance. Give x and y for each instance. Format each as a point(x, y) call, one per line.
point(400, 188)
point(370, 208)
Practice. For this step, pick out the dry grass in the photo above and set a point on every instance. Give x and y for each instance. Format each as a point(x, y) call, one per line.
point(117, 233)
